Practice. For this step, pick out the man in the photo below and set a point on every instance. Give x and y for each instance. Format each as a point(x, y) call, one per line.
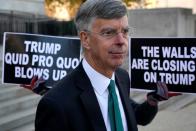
point(83, 101)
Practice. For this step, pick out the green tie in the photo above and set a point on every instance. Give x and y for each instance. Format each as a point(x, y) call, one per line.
point(113, 109)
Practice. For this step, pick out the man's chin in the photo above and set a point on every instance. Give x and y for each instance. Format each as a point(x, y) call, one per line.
point(117, 64)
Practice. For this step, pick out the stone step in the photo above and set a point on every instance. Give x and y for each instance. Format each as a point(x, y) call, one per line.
point(138, 95)
point(173, 104)
point(26, 127)
point(139, 98)
point(134, 92)
point(1, 62)
point(18, 104)
point(4, 85)
point(164, 104)
point(180, 102)
point(10, 92)
point(17, 119)
point(1, 65)
point(0, 71)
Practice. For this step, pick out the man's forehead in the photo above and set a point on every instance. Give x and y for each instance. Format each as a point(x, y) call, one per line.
point(107, 23)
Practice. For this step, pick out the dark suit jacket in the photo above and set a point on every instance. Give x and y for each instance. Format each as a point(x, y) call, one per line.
point(72, 105)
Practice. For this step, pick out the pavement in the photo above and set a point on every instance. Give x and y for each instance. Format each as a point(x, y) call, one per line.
point(167, 120)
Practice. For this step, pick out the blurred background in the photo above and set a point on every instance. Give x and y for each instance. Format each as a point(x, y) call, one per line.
point(147, 18)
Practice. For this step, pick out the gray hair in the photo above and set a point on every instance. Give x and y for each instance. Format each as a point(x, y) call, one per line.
point(92, 9)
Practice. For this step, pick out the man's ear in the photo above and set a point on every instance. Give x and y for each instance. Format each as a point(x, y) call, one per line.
point(84, 38)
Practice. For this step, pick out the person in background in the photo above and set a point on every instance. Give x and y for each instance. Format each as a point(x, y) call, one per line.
point(95, 95)
point(37, 85)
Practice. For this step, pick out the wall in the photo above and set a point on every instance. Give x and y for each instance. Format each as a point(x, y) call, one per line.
point(162, 22)
point(29, 6)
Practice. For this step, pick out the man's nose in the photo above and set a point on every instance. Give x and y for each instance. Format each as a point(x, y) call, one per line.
point(120, 38)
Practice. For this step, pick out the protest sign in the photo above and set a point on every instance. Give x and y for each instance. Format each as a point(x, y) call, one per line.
point(28, 55)
point(170, 60)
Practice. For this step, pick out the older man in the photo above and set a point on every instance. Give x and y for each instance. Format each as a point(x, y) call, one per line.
point(95, 96)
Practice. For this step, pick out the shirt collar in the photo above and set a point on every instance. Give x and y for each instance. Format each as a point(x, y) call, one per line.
point(98, 81)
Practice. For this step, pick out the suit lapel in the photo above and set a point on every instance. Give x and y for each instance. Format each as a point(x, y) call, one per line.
point(129, 112)
point(89, 101)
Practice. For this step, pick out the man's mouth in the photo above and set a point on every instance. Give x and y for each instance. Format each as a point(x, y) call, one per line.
point(117, 54)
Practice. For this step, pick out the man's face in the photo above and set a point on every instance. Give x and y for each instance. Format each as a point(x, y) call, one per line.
point(107, 43)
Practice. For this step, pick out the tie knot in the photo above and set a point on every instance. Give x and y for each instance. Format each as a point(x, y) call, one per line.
point(111, 86)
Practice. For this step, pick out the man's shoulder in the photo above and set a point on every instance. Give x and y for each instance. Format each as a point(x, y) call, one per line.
point(72, 76)
point(122, 75)
point(121, 71)
point(70, 80)
point(62, 90)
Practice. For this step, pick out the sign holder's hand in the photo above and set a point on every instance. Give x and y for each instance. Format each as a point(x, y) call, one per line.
point(160, 94)
point(37, 85)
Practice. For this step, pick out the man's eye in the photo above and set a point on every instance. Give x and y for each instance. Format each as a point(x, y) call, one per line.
point(125, 31)
point(109, 33)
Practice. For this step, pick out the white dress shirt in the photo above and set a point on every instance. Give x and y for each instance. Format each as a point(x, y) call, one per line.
point(100, 84)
